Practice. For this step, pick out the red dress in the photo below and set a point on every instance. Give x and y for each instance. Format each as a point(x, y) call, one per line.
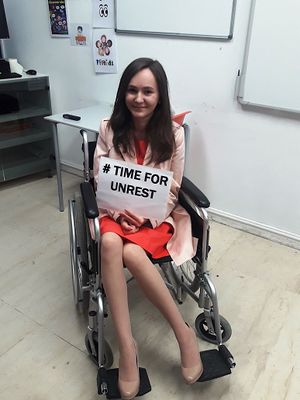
point(152, 240)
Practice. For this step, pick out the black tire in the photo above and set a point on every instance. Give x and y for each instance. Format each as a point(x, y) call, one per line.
point(186, 273)
point(78, 247)
point(108, 355)
point(205, 334)
point(73, 251)
point(81, 229)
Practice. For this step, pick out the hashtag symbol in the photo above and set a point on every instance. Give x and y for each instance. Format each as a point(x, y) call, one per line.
point(106, 168)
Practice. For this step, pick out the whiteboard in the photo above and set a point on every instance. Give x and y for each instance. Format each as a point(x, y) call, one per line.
point(189, 18)
point(270, 75)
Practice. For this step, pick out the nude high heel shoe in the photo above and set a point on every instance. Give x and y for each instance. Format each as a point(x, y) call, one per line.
point(193, 373)
point(129, 389)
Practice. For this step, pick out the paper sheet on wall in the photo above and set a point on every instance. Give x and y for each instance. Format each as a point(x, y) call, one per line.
point(137, 188)
point(79, 34)
point(103, 14)
point(105, 51)
point(58, 18)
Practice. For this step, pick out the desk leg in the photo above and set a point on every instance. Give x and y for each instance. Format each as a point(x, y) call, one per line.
point(58, 170)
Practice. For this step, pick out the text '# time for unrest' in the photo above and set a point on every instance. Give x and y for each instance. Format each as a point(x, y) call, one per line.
point(136, 175)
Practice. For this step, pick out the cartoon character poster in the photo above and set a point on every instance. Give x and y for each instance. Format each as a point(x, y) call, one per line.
point(58, 18)
point(103, 14)
point(104, 51)
point(79, 34)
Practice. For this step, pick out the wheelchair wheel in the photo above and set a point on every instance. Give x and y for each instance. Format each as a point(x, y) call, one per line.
point(209, 336)
point(186, 274)
point(78, 247)
point(108, 355)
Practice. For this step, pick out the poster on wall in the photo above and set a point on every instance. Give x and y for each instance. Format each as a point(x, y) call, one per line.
point(79, 34)
point(58, 18)
point(103, 13)
point(104, 51)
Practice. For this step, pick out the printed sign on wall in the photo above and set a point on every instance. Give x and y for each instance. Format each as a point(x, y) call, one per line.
point(79, 34)
point(104, 50)
point(103, 14)
point(58, 18)
point(137, 188)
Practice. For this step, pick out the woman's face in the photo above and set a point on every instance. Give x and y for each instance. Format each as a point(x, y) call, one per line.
point(142, 95)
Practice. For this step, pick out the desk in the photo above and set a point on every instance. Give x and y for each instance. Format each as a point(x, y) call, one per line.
point(90, 121)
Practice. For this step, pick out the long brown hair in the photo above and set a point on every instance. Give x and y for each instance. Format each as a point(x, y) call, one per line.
point(159, 130)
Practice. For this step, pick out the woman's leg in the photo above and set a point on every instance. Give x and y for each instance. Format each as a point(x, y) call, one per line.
point(116, 291)
point(155, 289)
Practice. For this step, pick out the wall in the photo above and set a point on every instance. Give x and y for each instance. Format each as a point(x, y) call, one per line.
point(245, 160)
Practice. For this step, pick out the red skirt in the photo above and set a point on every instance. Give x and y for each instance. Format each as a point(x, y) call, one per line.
point(152, 240)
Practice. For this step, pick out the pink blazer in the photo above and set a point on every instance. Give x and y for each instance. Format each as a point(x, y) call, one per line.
point(182, 246)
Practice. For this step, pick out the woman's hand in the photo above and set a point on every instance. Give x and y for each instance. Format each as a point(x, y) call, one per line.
point(130, 222)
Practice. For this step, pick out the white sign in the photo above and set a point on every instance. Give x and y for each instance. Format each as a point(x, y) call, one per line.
point(103, 14)
point(136, 188)
point(104, 51)
point(79, 34)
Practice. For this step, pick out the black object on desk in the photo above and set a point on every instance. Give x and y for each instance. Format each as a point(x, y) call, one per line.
point(5, 71)
point(31, 72)
point(73, 117)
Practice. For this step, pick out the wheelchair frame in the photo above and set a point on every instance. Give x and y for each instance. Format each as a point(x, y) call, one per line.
point(187, 279)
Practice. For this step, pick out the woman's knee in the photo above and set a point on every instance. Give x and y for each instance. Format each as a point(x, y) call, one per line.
point(111, 243)
point(132, 256)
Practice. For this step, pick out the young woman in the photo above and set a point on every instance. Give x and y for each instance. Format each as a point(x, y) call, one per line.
point(141, 130)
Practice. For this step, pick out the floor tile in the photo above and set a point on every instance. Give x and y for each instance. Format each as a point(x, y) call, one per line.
point(42, 366)
point(221, 239)
point(14, 327)
point(265, 260)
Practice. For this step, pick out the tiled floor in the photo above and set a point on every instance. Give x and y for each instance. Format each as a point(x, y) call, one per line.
point(42, 351)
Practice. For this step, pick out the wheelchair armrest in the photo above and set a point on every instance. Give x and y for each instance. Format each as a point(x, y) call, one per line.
point(188, 188)
point(89, 200)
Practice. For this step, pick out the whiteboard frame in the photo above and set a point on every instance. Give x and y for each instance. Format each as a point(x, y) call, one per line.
point(240, 83)
point(181, 35)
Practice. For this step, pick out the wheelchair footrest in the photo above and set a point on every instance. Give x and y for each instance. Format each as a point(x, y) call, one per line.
point(107, 382)
point(214, 365)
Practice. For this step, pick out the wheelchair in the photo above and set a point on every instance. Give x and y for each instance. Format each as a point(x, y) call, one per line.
point(191, 278)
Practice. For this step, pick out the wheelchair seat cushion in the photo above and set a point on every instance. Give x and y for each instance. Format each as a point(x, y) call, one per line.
point(152, 240)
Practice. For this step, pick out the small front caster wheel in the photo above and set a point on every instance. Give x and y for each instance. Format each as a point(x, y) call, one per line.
point(206, 334)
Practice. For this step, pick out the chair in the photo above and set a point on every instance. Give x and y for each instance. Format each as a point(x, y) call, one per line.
point(191, 278)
